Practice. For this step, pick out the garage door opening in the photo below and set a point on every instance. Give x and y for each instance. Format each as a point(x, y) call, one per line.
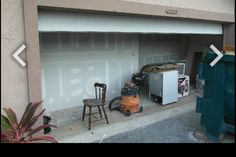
point(72, 62)
point(78, 49)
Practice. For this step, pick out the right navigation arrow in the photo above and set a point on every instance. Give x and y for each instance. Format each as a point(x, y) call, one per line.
point(219, 55)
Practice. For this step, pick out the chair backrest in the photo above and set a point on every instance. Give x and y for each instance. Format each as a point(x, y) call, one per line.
point(100, 91)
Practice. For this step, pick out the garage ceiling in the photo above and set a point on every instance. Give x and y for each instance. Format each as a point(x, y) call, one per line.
point(59, 21)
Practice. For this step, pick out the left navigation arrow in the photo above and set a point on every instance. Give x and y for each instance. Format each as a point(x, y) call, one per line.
point(16, 55)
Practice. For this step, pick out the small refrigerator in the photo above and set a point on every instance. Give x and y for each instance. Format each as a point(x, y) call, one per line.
point(163, 86)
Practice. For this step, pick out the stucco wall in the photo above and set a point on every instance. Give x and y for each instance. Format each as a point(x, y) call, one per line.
point(14, 92)
point(229, 34)
point(221, 6)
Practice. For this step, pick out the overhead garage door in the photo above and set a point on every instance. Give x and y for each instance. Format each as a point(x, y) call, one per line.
point(54, 21)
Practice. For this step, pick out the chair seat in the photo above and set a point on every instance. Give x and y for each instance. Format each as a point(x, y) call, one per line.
point(92, 102)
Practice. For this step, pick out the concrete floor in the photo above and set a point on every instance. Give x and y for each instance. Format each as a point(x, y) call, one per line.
point(177, 129)
point(77, 131)
point(173, 123)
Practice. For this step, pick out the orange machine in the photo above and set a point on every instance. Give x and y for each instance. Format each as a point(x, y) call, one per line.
point(130, 104)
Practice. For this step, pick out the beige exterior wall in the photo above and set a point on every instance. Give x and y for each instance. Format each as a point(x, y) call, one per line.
point(13, 76)
point(229, 34)
point(220, 6)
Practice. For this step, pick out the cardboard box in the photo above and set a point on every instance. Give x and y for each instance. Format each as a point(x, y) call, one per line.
point(183, 85)
point(230, 50)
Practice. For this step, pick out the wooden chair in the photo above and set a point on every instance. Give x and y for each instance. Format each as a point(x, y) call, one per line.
point(99, 101)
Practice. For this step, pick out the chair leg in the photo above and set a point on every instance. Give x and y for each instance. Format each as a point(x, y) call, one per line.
point(84, 112)
point(105, 114)
point(99, 109)
point(90, 112)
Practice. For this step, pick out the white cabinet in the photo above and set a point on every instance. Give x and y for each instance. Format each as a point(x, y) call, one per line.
point(164, 86)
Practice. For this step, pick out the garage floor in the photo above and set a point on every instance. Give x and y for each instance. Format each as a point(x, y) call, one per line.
point(153, 113)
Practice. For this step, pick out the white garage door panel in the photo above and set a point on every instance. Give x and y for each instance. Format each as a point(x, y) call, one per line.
point(56, 21)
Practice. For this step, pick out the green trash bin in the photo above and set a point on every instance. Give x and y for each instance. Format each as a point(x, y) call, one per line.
point(217, 106)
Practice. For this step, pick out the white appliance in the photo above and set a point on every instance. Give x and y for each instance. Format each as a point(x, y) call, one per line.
point(163, 86)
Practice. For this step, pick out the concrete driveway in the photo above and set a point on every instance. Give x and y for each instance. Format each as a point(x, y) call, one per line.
point(178, 129)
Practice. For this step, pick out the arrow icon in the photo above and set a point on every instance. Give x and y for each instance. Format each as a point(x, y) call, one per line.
point(16, 55)
point(219, 55)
